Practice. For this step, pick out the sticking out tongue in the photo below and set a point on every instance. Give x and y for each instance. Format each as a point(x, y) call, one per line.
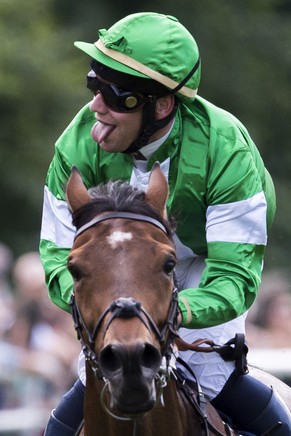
point(100, 131)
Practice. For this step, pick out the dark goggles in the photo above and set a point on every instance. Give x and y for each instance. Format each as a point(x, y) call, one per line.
point(116, 98)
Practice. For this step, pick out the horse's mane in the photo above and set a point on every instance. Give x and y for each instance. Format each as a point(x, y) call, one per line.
point(118, 196)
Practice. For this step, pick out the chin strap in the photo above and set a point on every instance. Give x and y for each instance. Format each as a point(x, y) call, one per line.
point(150, 126)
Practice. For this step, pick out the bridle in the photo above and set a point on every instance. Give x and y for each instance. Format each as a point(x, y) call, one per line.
point(127, 307)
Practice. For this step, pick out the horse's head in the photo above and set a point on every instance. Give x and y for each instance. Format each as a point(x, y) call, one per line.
point(125, 301)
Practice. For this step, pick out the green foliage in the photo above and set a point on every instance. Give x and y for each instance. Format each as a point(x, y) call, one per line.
point(40, 87)
point(246, 60)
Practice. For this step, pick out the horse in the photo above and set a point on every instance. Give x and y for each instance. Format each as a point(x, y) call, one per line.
point(125, 307)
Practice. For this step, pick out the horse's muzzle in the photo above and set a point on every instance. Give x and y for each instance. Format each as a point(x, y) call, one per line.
point(131, 371)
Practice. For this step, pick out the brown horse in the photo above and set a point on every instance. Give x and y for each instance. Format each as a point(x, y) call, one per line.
point(125, 312)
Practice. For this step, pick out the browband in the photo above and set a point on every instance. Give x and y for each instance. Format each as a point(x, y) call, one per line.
point(126, 215)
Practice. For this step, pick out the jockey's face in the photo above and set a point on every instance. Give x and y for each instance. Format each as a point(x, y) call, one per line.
point(114, 131)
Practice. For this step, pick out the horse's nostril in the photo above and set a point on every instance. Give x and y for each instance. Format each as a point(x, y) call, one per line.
point(109, 359)
point(150, 357)
point(133, 359)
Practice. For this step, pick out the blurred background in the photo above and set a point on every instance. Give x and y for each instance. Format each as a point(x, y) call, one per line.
point(245, 48)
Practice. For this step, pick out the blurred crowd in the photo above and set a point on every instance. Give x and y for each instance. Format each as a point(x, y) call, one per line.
point(38, 345)
point(269, 319)
point(268, 327)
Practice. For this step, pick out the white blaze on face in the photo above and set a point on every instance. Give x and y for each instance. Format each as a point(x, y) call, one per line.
point(117, 237)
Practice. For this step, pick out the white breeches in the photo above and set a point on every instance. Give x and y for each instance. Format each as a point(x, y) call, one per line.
point(211, 370)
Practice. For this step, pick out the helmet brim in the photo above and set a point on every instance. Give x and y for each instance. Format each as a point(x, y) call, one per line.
point(95, 53)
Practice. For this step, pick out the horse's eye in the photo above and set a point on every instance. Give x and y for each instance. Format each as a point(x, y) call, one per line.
point(169, 266)
point(75, 271)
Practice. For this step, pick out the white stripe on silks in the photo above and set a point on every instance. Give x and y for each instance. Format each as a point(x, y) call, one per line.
point(188, 309)
point(242, 221)
point(57, 224)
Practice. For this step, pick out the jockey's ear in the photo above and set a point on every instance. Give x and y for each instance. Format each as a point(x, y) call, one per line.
point(164, 106)
point(76, 192)
point(157, 192)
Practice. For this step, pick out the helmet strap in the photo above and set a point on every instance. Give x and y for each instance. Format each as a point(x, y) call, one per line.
point(185, 80)
point(150, 125)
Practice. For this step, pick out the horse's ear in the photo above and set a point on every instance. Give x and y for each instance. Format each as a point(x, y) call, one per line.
point(157, 192)
point(76, 192)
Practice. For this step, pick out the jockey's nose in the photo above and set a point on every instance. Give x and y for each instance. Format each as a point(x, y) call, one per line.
point(98, 104)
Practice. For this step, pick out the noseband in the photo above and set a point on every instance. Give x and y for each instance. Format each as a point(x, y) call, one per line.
point(125, 307)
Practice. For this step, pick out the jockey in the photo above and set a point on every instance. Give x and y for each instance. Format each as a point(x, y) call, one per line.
point(145, 73)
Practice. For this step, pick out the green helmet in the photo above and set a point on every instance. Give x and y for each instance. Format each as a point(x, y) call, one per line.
point(152, 46)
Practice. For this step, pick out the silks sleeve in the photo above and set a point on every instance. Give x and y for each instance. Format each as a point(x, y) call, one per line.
point(240, 199)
